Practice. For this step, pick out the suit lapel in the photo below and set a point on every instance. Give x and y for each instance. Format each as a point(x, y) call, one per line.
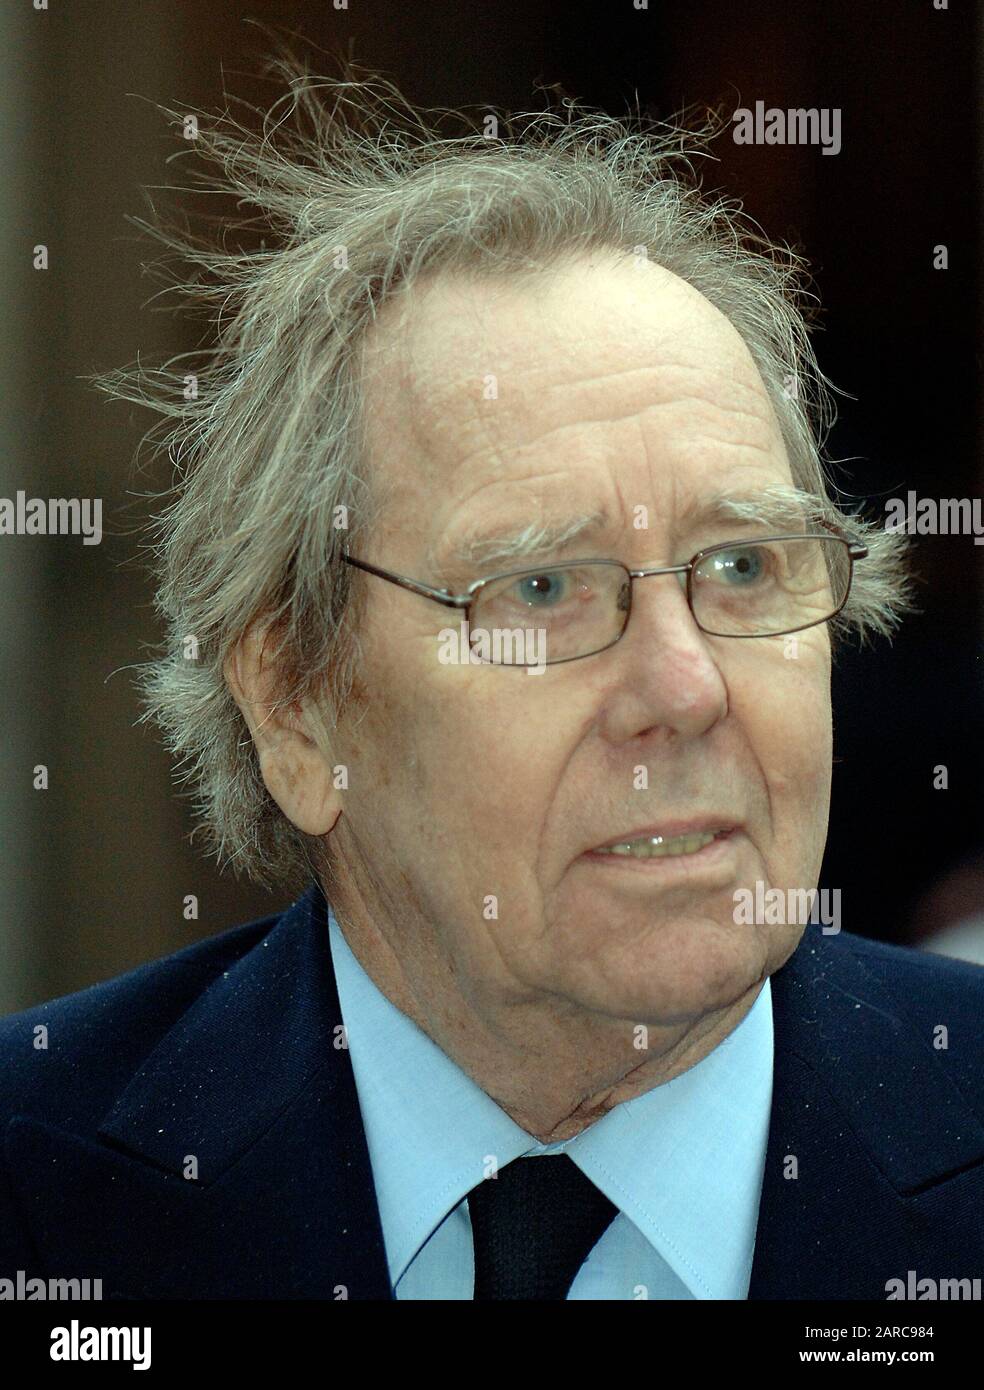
point(887, 1154)
point(252, 1093)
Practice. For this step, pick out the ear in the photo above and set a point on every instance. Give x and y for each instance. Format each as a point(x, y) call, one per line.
point(295, 768)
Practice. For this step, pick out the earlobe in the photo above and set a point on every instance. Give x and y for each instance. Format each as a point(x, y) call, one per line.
point(295, 767)
point(298, 776)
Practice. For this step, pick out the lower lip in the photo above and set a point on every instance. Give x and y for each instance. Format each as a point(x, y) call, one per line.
point(720, 852)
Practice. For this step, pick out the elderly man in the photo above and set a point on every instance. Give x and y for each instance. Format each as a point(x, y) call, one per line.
point(514, 584)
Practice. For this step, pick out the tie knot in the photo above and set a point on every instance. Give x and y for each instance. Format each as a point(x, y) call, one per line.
point(533, 1226)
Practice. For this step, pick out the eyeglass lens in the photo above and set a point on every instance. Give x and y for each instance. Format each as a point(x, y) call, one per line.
point(753, 589)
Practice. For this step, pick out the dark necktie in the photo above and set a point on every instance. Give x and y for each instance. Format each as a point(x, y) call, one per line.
point(534, 1225)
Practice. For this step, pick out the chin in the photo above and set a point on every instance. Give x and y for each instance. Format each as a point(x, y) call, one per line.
point(680, 971)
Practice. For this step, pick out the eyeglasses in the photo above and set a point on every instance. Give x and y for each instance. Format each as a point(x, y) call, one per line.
point(764, 587)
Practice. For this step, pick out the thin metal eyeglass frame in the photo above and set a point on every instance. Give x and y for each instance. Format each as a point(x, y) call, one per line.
point(856, 550)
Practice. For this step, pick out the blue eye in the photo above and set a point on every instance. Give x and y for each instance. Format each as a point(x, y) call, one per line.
point(540, 590)
point(746, 564)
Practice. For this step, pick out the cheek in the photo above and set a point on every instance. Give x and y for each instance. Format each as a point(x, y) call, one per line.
point(471, 756)
point(510, 753)
point(497, 752)
point(791, 737)
point(796, 747)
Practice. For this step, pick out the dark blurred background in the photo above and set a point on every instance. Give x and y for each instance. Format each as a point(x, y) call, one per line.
point(95, 869)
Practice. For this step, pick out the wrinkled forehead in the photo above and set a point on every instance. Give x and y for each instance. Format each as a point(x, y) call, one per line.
point(464, 373)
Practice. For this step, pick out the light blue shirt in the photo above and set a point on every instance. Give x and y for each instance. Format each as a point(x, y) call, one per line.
point(683, 1163)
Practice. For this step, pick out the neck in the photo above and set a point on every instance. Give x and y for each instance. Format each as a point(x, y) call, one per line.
point(552, 1067)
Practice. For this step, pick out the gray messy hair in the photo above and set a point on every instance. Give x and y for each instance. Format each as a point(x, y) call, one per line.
point(357, 195)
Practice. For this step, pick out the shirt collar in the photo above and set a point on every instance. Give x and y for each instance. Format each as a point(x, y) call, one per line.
point(683, 1162)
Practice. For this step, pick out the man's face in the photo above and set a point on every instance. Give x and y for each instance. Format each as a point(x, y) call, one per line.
point(604, 387)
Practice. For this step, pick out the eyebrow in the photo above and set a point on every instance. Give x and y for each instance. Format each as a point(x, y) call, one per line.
point(779, 507)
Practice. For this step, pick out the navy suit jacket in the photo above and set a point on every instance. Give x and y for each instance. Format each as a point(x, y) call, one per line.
point(231, 1051)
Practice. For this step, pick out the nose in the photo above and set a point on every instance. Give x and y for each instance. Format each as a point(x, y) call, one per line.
point(664, 672)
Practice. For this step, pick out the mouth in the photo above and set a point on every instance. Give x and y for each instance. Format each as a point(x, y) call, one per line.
point(662, 845)
point(705, 858)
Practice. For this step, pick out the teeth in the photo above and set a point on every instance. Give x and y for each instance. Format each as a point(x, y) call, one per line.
point(657, 847)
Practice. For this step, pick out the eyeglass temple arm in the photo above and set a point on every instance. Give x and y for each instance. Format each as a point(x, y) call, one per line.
point(856, 549)
point(415, 587)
